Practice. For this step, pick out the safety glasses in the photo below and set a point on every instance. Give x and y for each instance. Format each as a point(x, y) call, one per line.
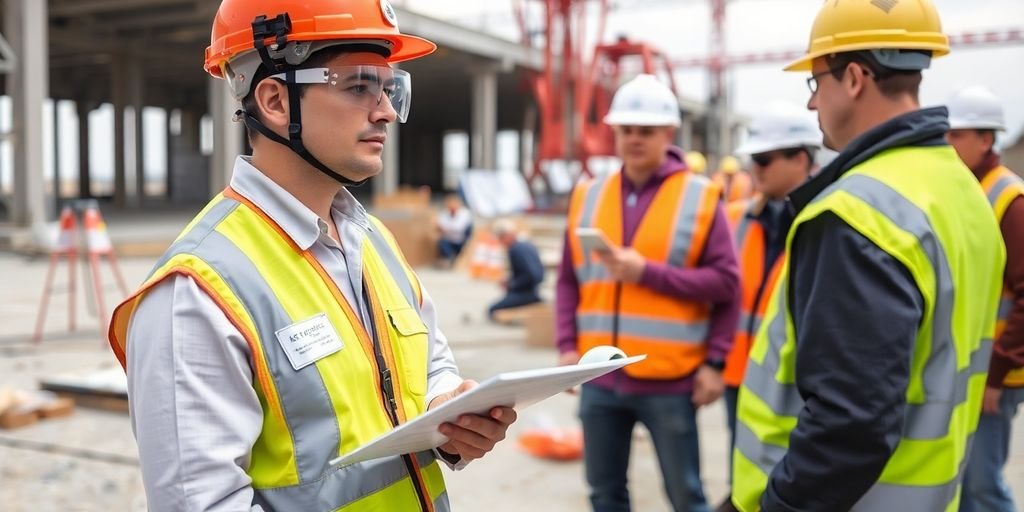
point(766, 159)
point(763, 159)
point(362, 86)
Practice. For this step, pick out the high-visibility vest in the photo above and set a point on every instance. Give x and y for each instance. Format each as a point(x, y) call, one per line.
point(924, 208)
point(738, 186)
point(1003, 186)
point(639, 320)
point(755, 284)
point(264, 283)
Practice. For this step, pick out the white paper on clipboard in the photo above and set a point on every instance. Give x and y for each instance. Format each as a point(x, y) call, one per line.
point(513, 389)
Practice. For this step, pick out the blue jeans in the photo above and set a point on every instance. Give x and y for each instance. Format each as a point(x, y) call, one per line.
point(608, 420)
point(449, 250)
point(514, 300)
point(984, 489)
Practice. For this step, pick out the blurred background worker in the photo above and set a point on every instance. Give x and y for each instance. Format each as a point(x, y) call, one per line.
point(526, 271)
point(975, 116)
point(736, 184)
point(864, 385)
point(454, 225)
point(782, 144)
point(696, 162)
point(667, 288)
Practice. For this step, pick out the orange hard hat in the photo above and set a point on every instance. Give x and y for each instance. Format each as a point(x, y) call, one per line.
point(312, 26)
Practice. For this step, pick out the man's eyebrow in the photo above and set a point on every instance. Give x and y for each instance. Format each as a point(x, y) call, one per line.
point(363, 77)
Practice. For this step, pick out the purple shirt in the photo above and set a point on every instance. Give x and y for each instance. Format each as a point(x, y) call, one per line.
point(715, 280)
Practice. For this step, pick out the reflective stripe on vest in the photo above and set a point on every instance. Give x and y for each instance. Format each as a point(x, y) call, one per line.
point(251, 270)
point(1002, 187)
point(756, 283)
point(673, 232)
point(951, 351)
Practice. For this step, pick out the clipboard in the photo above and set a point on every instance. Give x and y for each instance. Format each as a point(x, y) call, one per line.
point(513, 389)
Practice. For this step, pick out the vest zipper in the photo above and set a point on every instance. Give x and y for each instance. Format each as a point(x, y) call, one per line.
point(387, 385)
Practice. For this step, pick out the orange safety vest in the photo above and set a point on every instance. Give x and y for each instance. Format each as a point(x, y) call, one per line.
point(735, 187)
point(756, 287)
point(637, 319)
point(1002, 186)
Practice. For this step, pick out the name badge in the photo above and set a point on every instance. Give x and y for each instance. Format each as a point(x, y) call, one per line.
point(309, 341)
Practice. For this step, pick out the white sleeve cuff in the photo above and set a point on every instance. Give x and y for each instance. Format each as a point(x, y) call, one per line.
point(442, 383)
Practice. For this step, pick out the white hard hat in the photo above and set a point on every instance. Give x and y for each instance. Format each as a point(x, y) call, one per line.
point(976, 108)
point(644, 101)
point(781, 126)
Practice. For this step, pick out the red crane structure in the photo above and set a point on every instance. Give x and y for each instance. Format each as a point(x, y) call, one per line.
point(573, 91)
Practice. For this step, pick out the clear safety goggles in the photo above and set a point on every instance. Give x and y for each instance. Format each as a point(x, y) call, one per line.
point(363, 86)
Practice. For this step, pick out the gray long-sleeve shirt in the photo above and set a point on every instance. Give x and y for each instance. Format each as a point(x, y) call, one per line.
point(194, 411)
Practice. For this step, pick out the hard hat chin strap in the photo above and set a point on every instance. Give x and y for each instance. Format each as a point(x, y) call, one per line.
point(279, 28)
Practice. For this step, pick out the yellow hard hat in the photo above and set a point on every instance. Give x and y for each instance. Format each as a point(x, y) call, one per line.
point(855, 25)
point(729, 165)
point(696, 162)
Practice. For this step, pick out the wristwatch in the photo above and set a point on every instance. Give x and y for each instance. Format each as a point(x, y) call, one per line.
point(715, 364)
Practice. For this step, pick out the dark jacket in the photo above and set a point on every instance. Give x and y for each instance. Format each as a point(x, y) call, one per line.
point(527, 271)
point(856, 312)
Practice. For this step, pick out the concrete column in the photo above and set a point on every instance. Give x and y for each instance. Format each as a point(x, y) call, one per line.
point(387, 183)
point(134, 98)
point(118, 95)
point(227, 134)
point(526, 142)
point(26, 27)
point(685, 135)
point(56, 159)
point(189, 139)
point(172, 147)
point(84, 174)
point(484, 130)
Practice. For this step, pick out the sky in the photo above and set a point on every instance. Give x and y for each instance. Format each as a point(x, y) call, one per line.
point(682, 28)
point(679, 28)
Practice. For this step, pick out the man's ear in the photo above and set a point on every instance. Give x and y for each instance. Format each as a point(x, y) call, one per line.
point(272, 105)
point(855, 80)
point(989, 137)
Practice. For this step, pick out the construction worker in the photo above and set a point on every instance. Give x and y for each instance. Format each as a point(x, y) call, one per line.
point(864, 383)
point(283, 327)
point(975, 115)
point(525, 269)
point(696, 162)
point(735, 183)
point(782, 145)
point(666, 286)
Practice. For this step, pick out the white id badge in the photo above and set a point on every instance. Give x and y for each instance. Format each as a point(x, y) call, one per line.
point(309, 341)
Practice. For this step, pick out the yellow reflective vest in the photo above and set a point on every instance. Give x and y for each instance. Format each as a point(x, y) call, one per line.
point(922, 207)
point(264, 283)
point(1003, 186)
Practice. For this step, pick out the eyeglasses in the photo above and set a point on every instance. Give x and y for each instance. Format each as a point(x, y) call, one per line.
point(812, 81)
point(363, 86)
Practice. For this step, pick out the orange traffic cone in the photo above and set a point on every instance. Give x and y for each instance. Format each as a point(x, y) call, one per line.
point(488, 258)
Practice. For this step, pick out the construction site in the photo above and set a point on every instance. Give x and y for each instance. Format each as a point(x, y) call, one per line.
point(113, 138)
